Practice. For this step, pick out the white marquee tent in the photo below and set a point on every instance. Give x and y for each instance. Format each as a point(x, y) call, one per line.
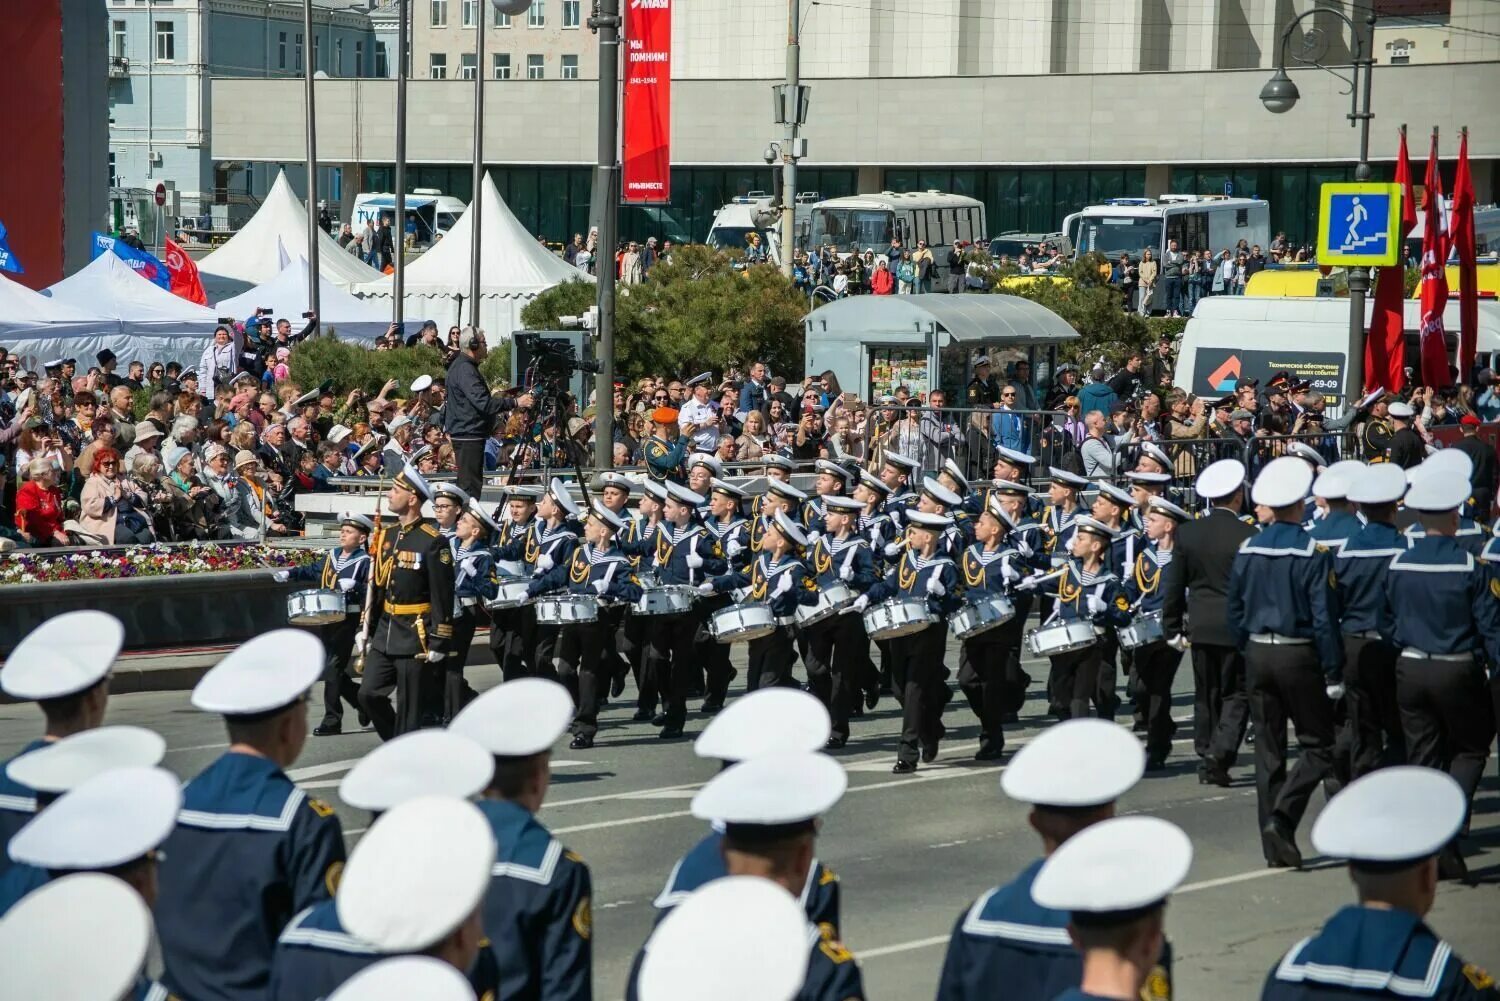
point(514, 269)
point(286, 295)
point(254, 255)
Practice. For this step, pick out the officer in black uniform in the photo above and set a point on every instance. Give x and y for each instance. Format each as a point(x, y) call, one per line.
point(1282, 612)
point(1406, 448)
point(1378, 429)
point(411, 613)
point(982, 394)
point(346, 571)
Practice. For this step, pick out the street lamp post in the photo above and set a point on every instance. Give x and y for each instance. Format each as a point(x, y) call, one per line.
point(309, 71)
point(605, 195)
point(1280, 94)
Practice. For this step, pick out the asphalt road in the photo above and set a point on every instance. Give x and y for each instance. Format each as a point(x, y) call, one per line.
point(912, 851)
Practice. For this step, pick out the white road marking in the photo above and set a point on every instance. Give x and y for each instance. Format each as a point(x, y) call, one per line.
point(665, 794)
point(327, 768)
point(650, 818)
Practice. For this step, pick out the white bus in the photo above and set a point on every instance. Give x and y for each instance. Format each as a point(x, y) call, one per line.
point(1196, 222)
point(1486, 233)
point(869, 221)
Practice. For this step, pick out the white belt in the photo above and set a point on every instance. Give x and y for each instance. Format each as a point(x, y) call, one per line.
point(1279, 640)
point(467, 602)
point(354, 606)
point(1416, 654)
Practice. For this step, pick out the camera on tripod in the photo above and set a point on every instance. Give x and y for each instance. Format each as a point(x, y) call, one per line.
point(553, 358)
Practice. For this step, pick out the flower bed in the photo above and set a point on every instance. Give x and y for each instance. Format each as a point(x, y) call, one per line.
point(41, 566)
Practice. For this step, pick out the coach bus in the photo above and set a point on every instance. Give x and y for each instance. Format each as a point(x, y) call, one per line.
point(870, 221)
point(1196, 222)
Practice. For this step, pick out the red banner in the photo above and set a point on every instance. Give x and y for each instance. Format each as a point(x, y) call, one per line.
point(647, 157)
point(1385, 350)
point(184, 272)
point(1434, 275)
point(1462, 232)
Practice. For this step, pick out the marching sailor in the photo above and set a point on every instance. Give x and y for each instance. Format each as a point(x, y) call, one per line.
point(987, 570)
point(473, 585)
point(733, 535)
point(510, 628)
point(548, 543)
point(838, 648)
point(1156, 662)
point(685, 555)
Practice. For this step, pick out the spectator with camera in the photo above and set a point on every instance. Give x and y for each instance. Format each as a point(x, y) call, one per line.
point(472, 410)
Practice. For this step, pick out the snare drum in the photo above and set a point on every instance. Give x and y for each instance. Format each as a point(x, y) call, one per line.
point(566, 609)
point(315, 608)
point(510, 592)
point(831, 601)
point(1143, 630)
point(665, 599)
point(897, 617)
point(742, 623)
point(981, 616)
point(1062, 637)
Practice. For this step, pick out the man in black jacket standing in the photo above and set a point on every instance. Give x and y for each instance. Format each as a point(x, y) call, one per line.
point(470, 413)
point(1486, 467)
point(1198, 583)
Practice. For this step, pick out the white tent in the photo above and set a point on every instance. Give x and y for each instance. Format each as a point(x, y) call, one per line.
point(254, 255)
point(133, 317)
point(514, 269)
point(286, 295)
point(30, 323)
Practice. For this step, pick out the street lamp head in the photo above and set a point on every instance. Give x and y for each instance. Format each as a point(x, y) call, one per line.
point(1279, 94)
point(511, 7)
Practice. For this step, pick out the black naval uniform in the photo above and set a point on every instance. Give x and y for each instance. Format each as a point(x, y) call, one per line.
point(838, 647)
point(411, 614)
point(984, 661)
point(1369, 659)
point(508, 629)
point(338, 638)
point(1155, 663)
point(1406, 448)
point(734, 540)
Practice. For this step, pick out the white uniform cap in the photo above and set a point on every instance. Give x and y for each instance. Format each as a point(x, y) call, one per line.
point(68, 763)
point(476, 510)
point(414, 481)
point(604, 514)
point(41, 938)
point(900, 461)
point(403, 978)
point(940, 493)
point(418, 455)
point(708, 461)
point(1118, 495)
point(766, 720)
point(420, 763)
point(837, 503)
point(926, 519)
point(832, 469)
point(1438, 491)
point(951, 468)
point(1379, 483)
point(875, 483)
point(1014, 457)
point(655, 489)
point(421, 382)
point(1284, 481)
point(681, 493)
point(1220, 479)
point(1400, 814)
point(113, 818)
point(718, 486)
point(1163, 506)
point(1063, 477)
point(1080, 762)
point(517, 719)
point(359, 521)
point(784, 489)
point(739, 938)
point(559, 492)
point(399, 423)
point(1401, 410)
point(782, 787)
point(1137, 476)
point(1083, 523)
point(451, 490)
point(1121, 864)
point(1012, 487)
point(338, 433)
point(417, 874)
point(618, 480)
point(269, 672)
point(63, 656)
point(789, 528)
point(1334, 483)
point(1452, 460)
point(995, 509)
point(1156, 452)
point(1302, 450)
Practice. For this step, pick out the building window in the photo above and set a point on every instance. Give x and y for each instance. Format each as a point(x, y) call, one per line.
point(118, 40)
point(500, 65)
point(359, 58)
point(382, 60)
point(502, 20)
point(437, 66)
point(570, 67)
point(439, 14)
point(469, 7)
point(534, 69)
point(536, 16)
point(166, 42)
point(466, 65)
point(571, 13)
point(317, 53)
point(338, 57)
point(281, 50)
point(297, 53)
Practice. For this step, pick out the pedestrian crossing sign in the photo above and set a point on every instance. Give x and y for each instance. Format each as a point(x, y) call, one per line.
point(1359, 225)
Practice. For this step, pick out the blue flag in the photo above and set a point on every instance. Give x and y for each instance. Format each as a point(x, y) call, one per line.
point(8, 260)
point(145, 265)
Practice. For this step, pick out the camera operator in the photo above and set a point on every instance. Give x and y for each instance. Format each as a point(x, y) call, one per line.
point(471, 411)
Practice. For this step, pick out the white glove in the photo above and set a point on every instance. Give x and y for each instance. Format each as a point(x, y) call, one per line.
point(813, 537)
point(600, 586)
point(1029, 584)
point(1023, 547)
point(694, 561)
point(874, 534)
point(1008, 572)
point(1335, 692)
point(896, 517)
point(733, 548)
point(784, 584)
point(469, 564)
point(346, 585)
point(359, 644)
point(543, 563)
point(1096, 605)
point(1178, 642)
point(861, 603)
point(893, 548)
point(433, 657)
point(935, 586)
point(846, 574)
point(282, 576)
point(706, 587)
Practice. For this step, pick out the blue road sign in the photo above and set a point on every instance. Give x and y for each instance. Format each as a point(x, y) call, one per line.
point(1358, 224)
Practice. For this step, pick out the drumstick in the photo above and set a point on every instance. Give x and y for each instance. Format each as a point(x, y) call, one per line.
point(364, 613)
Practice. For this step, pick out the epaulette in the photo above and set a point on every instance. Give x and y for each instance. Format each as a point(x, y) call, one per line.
point(429, 529)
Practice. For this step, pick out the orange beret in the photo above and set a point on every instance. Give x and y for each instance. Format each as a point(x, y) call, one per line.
point(664, 415)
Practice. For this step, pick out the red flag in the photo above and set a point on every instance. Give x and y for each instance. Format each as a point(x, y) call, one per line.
point(1434, 275)
point(1462, 230)
point(184, 272)
point(1385, 348)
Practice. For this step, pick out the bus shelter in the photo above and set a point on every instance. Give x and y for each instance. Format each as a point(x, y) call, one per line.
point(930, 341)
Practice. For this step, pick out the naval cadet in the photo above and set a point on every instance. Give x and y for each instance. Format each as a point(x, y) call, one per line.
point(987, 570)
point(473, 584)
point(1114, 880)
point(614, 490)
point(346, 572)
point(315, 953)
point(548, 543)
point(1390, 825)
point(1006, 944)
point(1335, 523)
point(1113, 506)
point(410, 625)
point(1282, 611)
point(1023, 534)
point(666, 447)
point(1193, 611)
point(511, 628)
point(1470, 534)
point(250, 849)
point(638, 543)
point(63, 665)
point(770, 808)
point(732, 532)
point(776, 468)
point(1016, 467)
point(837, 647)
point(767, 721)
point(1362, 566)
point(685, 554)
point(1156, 661)
point(538, 910)
point(448, 502)
point(896, 472)
point(830, 480)
point(1446, 619)
point(1058, 515)
point(401, 978)
point(1406, 448)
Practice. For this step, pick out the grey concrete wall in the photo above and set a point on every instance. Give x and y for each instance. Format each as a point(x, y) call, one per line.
point(1107, 119)
point(85, 58)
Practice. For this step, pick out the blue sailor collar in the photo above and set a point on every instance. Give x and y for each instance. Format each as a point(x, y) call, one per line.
point(528, 851)
point(341, 561)
point(1434, 554)
point(1372, 950)
point(1008, 912)
point(1280, 539)
point(319, 927)
point(241, 792)
point(15, 797)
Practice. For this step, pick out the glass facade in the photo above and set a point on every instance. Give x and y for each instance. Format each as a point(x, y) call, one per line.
point(1027, 201)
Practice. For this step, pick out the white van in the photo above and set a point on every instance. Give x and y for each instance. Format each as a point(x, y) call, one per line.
point(435, 212)
point(747, 214)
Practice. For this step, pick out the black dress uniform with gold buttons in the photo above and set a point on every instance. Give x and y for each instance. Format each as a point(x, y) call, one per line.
point(411, 614)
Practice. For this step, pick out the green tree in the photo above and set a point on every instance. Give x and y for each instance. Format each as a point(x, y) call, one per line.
point(1082, 296)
